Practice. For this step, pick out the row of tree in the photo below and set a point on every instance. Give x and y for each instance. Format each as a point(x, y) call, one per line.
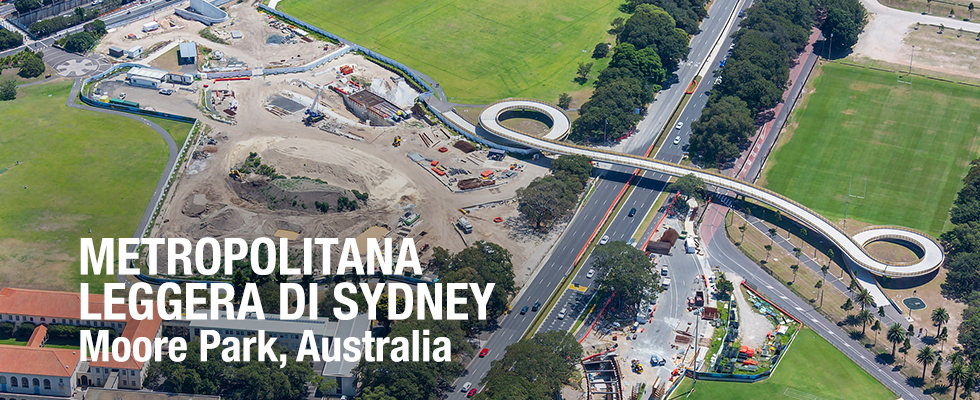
point(51, 25)
point(29, 62)
point(10, 39)
point(548, 199)
point(755, 75)
point(962, 245)
point(650, 44)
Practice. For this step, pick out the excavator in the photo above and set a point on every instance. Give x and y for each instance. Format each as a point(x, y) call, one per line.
point(397, 142)
point(237, 175)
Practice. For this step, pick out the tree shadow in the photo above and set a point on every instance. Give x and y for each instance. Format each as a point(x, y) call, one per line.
point(914, 381)
point(884, 358)
point(937, 389)
point(930, 340)
point(855, 335)
point(852, 320)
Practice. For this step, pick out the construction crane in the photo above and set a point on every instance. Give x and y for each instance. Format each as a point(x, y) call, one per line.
point(312, 115)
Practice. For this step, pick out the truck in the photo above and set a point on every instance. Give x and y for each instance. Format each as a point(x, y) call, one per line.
point(464, 225)
point(689, 245)
point(699, 299)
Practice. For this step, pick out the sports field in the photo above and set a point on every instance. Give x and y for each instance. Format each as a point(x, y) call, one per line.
point(812, 369)
point(83, 170)
point(911, 143)
point(479, 51)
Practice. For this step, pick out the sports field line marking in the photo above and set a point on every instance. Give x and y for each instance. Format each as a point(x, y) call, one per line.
point(801, 395)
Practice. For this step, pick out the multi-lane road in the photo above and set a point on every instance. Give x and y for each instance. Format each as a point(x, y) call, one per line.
point(611, 183)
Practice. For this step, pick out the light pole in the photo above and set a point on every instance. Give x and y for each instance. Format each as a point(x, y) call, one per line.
point(831, 45)
point(910, 64)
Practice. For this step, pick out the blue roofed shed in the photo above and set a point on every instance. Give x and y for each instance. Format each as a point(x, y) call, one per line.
point(187, 53)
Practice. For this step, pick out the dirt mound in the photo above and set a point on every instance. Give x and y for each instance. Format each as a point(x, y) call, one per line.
point(223, 223)
point(347, 168)
point(195, 205)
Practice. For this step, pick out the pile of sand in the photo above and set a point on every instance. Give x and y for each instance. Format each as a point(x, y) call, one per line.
point(345, 167)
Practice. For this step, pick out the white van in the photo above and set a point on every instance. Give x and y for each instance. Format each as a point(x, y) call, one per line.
point(466, 386)
point(561, 314)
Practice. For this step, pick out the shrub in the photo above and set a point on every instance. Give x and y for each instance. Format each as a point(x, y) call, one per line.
point(6, 330)
point(31, 67)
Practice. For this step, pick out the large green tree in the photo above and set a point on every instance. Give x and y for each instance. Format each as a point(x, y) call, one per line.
point(546, 200)
point(626, 270)
point(723, 129)
point(533, 368)
point(482, 263)
point(652, 26)
point(644, 63)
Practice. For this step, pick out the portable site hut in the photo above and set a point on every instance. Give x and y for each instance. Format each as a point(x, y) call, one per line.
point(187, 53)
point(135, 52)
point(146, 77)
point(116, 52)
point(496, 155)
point(487, 174)
point(180, 78)
point(151, 26)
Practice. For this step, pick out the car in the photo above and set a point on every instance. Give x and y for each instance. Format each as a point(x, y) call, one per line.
point(524, 310)
point(717, 81)
point(722, 63)
point(443, 149)
point(484, 352)
point(122, 96)
point(604, 240)
point(679, 125)
point(536, 306)
point(590, 274)
point(663, 271)
point(732, 47)
point(561, 314)
point(167, 92)
point(471, 393)
point(657, 361)
point(466, 387)
point(741, 13)
point(632, 211)
point(677, 140)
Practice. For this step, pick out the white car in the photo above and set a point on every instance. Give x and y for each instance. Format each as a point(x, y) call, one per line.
point(591, 273)
point(561, 314)
point(679, 125)
point(677, 140)
point(604, 240)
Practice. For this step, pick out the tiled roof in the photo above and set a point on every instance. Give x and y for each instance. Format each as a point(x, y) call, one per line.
point(37, 338)
point(46, 303)
point(38, 361)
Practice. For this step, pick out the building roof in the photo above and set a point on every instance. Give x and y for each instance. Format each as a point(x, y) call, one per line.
point(375, 103)
point(345, 329)
point(37, 338)
point(49, 304)
point(44, 303)
point(150, 73)
point(38, 361)
point(187, 50)
point(94, 393)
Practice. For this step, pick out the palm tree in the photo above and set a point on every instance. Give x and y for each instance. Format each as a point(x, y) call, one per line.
point(798, 253)
point(971, 10)
point(830, 255)
point(795, 268)
point(742, 229)
point(939, 317)
point(772, 235)
point(802, 235)
point(895, 336)
point(864, 316)
point(864, 298)
point(881, 312)
point(925, 357)
point(848, 305)
point(943, 335)
point(937, 369)
point(823, 269)
point(957, 374)
point(928, 10)
point(875, 328)
point(768, 249)
point(819, 285)
point(853, 286)
point(906, 346)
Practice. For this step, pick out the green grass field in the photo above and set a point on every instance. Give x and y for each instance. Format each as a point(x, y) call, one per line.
point(83, 170)
point(811, 367)
point(911, 143)
point(479, 52)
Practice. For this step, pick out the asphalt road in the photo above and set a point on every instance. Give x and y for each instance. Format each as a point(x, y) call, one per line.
point(724, 254)
point(587, 220)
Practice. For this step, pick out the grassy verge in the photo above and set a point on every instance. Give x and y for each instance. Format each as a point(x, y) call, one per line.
point(12, 342)
point(585, 315)
point(812, 368)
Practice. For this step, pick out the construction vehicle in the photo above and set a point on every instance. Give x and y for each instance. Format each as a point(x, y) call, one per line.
point(397, 142)
point(312, 115)
point(237, 175)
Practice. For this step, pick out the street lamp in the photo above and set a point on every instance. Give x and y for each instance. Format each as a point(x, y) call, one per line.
point(831, 45)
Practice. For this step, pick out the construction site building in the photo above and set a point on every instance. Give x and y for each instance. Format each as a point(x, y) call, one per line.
point(146, 77)
point(371, 107)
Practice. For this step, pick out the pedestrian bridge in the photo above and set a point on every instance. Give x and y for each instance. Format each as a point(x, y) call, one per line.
point(932, 255)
